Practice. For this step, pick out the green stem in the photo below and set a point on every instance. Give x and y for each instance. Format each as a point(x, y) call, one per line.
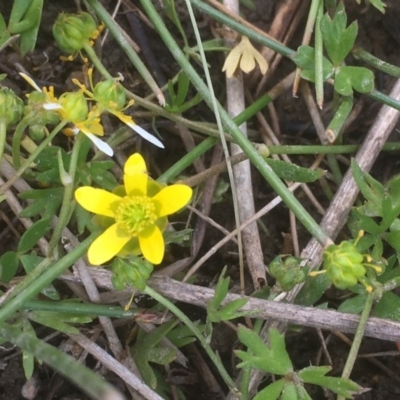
point(81, 308)
point(16, 141)
point(39, 278)
point(3, 135)
point(32, 157)
point(383, 98)
point(351, 358)
point(67, 204)
point(115, 31)
point(381, 65)
point(266, 171)
point(176, 311)
point(87, 380)
point(319, 57)
point(336, 125)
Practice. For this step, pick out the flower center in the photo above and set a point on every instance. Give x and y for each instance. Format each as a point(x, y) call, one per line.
point(135, 213)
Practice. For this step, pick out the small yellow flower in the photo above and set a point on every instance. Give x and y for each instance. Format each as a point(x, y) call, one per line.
point(73, 107)
point(110, 97)
point(245, 56)
point(136, 214)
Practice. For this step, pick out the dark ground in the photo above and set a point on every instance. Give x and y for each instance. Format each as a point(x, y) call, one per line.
point(378, 34)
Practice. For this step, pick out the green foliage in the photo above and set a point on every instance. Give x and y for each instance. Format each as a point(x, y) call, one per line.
point(358, 78)
point(293, 172)
point(24, 20)
point(9, 263)
point(218, 313)
point(178, 103)
point(379, 4)
point(338, 40)
point(274, 359)
point(146, 350)
point(304, 58)
point(32, 235)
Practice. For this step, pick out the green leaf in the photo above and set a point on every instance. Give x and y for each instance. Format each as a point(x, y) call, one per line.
point(32, 235)
point(371, 189)
point(25, 20)
point(340, 386)
point(338, 39)
point(293, 172)
point(30, 262)
point(97, 172)
point(358, 78)
point(28, 360)
point(354, 305)
point(304, 58)
point(289, 392)
point(182, 335)
point(273, 359)
point(141, 349)
point(161, 355)
point(46, 201)
point(379, 5)
point(9, 263)
point(272, 391)
point(47, 165)
point(388, 307)
point(302, 393)
point(59, 321)
point(313, 289)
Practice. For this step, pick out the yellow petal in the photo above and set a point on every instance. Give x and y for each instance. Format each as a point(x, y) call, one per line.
point(135, 164)
point(98, 201)
point(232, 61)
point(31, 81)
point(136, 184)
point(152, 245)
point(107, 245)
point(262, 62)
point(247, 62)
point(172, 198)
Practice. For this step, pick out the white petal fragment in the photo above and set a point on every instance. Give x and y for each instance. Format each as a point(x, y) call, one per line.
point(146, 135)
point(102, 146)
point(52, 106)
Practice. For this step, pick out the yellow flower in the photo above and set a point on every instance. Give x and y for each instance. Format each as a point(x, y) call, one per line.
point(73, 107)
point(246, 56)
point(136, 214)
point(110, 97)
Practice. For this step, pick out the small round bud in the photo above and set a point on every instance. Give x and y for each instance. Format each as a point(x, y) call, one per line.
point(110, 94)
point(75, 107)
point(11, 106)
point(287, 271)
point(72, 31)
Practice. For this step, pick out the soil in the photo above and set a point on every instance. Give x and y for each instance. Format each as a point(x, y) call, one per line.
point(379, 34)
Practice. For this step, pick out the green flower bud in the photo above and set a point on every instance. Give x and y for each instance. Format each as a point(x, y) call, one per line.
point(38, 115)
point(37, 132)
point(72, 31)
point(287, 271)
point(74, 105)
point(130, 271)
point(11, 107)
point(344, 264)
point(110, 94)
